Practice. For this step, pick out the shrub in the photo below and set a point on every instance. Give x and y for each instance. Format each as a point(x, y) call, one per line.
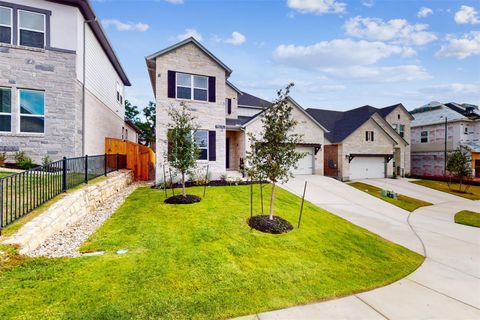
point(23, 161)
point(46, 160)
point(3, 157)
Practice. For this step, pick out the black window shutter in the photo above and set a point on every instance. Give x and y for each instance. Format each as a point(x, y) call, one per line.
point(211, 89)
point(366, 135)
point(212, 146)
point(373, 137)
point(229, 106)
point(171, 83)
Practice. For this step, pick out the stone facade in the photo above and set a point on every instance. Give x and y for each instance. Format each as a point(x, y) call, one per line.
point(400, 117)
point(54, 73)
point(68, 210)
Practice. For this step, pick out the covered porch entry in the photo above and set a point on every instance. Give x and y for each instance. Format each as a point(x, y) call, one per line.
point(235, 149)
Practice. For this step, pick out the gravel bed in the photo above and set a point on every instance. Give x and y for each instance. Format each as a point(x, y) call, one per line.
point(66, 242)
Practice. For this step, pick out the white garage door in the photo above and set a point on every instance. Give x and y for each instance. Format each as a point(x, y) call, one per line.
point(367, 168)
point(304, 165)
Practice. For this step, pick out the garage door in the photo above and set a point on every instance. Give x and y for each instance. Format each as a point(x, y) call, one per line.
point(367, 168)
point(305, 165)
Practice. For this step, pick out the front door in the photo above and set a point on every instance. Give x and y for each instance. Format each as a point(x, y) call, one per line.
point(227, 147)
point(477, 168)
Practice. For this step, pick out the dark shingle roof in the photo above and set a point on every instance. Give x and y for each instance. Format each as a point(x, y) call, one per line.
point(247, 99)
point(241, 120)
point(342, 124)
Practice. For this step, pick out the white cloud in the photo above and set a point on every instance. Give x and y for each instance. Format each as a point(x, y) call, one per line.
point(424, 12)
point(368, 3)
point(461, 48)
point(174, 1)
point(317, 6)
point(379, 74)
point(467, 15)
point(236, 39)
point(125, 26)
point(338, 53)
point(452, 88)
point(395, 30)
point(189, 33)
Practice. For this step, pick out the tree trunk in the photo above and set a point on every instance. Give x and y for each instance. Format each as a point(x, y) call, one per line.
point(272, 198)
point(184, 191)
point(460, 187)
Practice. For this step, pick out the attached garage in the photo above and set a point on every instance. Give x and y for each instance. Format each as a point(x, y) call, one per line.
point(367, 167)
point(305, 165)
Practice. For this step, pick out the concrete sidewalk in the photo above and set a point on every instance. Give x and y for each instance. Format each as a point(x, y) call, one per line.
point(446, 286)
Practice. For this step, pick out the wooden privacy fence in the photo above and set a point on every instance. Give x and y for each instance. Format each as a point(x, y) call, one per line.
point(140, 159)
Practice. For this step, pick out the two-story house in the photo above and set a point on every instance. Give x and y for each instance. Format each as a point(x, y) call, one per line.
point(61, 83)
point(366, 142)
point(187, 72)
point(440, 128)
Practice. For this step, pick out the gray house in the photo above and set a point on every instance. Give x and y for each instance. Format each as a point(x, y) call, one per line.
point(61, 84)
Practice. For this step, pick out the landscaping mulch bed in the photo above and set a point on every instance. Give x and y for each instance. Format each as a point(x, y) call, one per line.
point(180, 199)
point(264, 224)
point(213, 183)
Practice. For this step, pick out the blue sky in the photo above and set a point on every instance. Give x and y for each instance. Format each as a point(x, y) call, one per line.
point(339, 54)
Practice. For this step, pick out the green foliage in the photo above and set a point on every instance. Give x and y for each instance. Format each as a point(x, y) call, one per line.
point(3, 157)
point(23, 161)
point(145, 121)
point(183, 151)
point(459, 164)
point(131, 111)
point(202, 261)
point(46, 160)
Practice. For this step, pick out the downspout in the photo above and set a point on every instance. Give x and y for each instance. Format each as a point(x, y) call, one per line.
point(85, 22)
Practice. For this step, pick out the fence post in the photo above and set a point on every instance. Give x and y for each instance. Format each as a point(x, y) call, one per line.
point(86, 168)
point(105, 164)
point(118, 160)
point(64, 175)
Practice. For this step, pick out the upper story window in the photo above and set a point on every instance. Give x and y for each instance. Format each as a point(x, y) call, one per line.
point(5, 110)
point(6, 28)
point(401, 130)
point(32, 111)
point(201, 139)
point(369, 136)
point(31, 29)
point(465, 130)
point(228, 105)
point(191, 87)
point(424, 137)
point(119, 94)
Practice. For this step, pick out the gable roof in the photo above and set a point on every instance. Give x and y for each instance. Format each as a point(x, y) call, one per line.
point(86, 9)
point(341, 124)
point(191, 40)
point(233, 87)
point(246, 99)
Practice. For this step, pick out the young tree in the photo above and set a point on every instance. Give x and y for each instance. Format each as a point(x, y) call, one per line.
point(459, 164)
point(183, 151)
point(272, 153)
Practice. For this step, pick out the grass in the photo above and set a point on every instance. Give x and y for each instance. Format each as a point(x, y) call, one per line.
point(4, 174)
point(472, 194)
point(202, 261)
point(468, 218)
point(404, 202)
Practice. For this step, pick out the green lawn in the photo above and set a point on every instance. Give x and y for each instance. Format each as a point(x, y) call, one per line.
point(404, 202)
point(468, 218)
point(202, 261)
point(472, 194)
point(4, 174)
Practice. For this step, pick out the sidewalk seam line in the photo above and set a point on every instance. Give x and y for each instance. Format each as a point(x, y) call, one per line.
point(371, 307)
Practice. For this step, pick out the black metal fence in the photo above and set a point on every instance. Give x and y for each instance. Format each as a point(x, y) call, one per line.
point(23, 192)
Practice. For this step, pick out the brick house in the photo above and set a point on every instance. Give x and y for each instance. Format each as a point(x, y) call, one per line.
point(366, 142)
point(61, 84)
point(188, 72)
point(462, 124)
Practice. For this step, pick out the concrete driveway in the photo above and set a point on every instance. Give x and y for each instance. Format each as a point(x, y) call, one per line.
point(446, 286)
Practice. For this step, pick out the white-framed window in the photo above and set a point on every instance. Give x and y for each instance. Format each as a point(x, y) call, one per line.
point(32, 111)
point(369, 136)
point(401, 130)
point(424, 137)
point(5, 109)
point(201, 139)
point(31, 29)
point(191, 87)
point(119, 93)
point(6, 25)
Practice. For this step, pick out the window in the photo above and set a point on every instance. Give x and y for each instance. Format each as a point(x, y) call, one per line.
point(31, 29)
point(398, 116)
point(192, 87)
point(5, 110)
point(201, 139)
point(401, 130)
point(119, 94)
point(32, 111)
point(465, 130)
point(369, 136)
point(6, 25)
point(228, 106)
point(424, 137)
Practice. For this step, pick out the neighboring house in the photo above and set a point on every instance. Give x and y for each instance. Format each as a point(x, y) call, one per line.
point(52, 53)
point(366, 142)
point(428, 136)
point(130, 131)
point(187, 72)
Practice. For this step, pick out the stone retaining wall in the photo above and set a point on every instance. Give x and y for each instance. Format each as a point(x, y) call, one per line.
point(68, 210)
